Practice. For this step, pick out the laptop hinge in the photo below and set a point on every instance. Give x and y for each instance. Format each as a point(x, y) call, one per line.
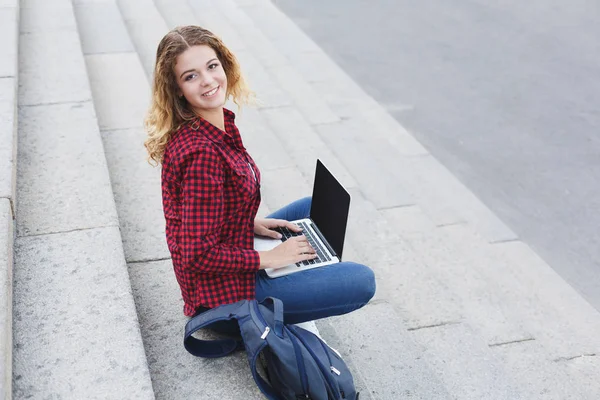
point(323, 240)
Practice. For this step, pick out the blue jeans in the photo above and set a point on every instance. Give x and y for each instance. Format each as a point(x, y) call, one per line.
point(316, 293)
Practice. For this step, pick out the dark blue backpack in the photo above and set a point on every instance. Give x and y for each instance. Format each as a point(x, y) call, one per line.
point(299, 364)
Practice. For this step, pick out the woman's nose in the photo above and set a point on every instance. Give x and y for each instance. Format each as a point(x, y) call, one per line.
point(206, 80)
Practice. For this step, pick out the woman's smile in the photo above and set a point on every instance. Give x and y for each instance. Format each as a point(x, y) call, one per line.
point(211, 92)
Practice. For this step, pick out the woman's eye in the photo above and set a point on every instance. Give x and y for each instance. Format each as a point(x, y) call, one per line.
point(189, 77)
point(213, 66)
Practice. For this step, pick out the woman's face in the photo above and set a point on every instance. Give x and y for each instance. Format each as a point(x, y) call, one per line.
point(201, 78)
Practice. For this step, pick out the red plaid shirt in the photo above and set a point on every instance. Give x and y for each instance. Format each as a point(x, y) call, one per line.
point(211, 193)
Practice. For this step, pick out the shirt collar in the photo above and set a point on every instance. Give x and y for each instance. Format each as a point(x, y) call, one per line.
point(213, 133)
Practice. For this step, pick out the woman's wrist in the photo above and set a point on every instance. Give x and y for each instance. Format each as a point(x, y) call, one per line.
point(265, 259)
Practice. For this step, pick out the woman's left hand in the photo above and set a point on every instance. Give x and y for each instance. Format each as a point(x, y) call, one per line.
point(265, 226)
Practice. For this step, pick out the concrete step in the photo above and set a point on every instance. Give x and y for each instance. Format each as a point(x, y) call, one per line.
point(456, 292)
point(9, 80)
point(76, 333)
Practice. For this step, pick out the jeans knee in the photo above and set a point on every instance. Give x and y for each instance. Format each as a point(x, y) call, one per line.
point(365, 281)
point(306, 202)
point(303, 206)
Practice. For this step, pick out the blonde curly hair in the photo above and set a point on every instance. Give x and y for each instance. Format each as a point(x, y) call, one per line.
point(167, 110)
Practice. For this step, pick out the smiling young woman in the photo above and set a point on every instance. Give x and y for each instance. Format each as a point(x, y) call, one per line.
point(211, 193)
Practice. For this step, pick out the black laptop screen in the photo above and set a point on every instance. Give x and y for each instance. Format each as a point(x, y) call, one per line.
point(329, 209)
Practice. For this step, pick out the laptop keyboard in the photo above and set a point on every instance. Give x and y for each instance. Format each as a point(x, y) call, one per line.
point(321, 253)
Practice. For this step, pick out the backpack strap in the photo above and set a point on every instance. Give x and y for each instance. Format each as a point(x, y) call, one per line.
point(277, 314)
point(213, 348)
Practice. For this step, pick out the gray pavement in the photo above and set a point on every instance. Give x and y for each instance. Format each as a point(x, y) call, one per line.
point(464, 310)
point(504, 94)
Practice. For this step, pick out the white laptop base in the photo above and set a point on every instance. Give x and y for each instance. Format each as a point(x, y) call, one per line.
point(265, 244)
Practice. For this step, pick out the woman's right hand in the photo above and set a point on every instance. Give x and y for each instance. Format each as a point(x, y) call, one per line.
point(293, 250)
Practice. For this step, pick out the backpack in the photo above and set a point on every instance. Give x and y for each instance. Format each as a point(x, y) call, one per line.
point(299, 364)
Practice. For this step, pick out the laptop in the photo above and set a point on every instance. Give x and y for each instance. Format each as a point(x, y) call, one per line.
point(325, 228)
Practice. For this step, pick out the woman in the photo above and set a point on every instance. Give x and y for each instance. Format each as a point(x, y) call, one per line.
point(211, 193)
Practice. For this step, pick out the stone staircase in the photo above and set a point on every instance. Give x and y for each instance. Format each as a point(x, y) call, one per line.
point(76, 332)
point(464, 310)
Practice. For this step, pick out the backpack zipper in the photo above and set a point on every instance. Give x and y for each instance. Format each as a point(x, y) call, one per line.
point(331, 367)
point(265, 333)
